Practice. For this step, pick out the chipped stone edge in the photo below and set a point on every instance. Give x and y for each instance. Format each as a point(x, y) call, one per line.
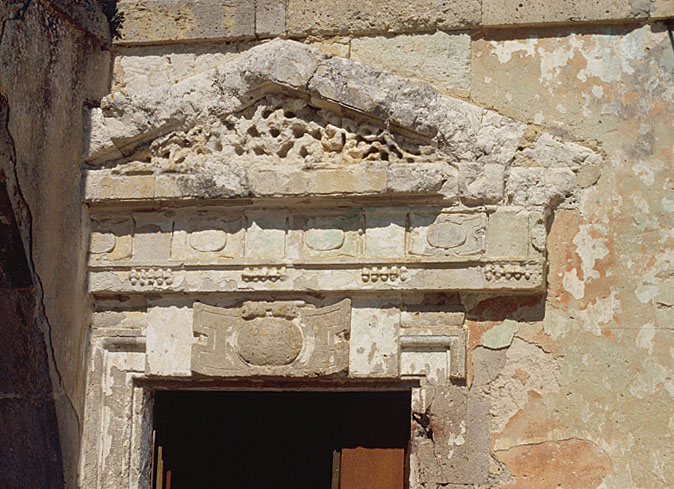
point(466, 132)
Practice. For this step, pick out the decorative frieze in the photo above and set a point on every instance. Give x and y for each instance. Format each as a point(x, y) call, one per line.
point(151, 277)
point(354, 248)
point(263, 274)
point(385, 274)
point(513, 272)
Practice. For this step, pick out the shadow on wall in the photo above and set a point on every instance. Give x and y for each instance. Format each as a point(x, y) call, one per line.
point(29, 438)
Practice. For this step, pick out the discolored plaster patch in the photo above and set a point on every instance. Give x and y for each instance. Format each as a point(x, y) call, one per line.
point(501, 335)
point(487, 365)
point(564, 464)
point(508, 394)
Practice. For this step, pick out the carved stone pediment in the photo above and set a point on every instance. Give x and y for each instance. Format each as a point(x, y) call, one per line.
point(272, 339)
point(284, 120)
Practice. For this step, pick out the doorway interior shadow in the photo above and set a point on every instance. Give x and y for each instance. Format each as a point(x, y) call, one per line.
point(264, 440)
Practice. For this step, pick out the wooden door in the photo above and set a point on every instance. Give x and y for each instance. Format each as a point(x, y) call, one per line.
point(372, 468)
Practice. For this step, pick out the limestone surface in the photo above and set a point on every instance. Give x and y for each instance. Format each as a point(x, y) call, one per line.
point(350, 16)
point(498, 12)
point(329, 126)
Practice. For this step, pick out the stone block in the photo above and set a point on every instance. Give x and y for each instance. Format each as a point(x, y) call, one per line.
point(169, 341)
point(441, 59)
point(508, 233)
point(481, 184)
point(373, 349)
point(270, 18)
point(540, 186)
point(176, 20)
point(88, 16)
point(152, 237)
point(139, 67)
point(266, 236)
point(552, 152)
point(385, 233)
point(103, 187)
point(499, 12)
point(458, 452)
point(362, 180)
point(334, 46)
point(374, 16)
point(662, 8)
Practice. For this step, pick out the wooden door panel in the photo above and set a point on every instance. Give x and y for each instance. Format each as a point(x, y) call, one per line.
point(372, 468)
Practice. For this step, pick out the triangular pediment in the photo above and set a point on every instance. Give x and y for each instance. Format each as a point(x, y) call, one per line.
point(284, 119)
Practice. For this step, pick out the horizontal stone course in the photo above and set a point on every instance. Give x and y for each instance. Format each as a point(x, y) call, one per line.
point(373, 16)
point(506, 12)
point(148, 21)
point(500, 12)
point(158, 21)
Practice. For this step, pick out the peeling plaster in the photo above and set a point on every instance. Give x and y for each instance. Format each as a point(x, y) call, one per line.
point(573, 284)
point(645, 337)
point(589, 249)
point(501, 335)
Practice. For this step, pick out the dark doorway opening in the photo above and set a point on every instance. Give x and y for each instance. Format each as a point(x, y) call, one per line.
point(264, 440)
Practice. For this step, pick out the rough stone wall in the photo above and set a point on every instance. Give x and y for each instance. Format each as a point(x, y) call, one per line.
point(577, 386)
point(54, 58)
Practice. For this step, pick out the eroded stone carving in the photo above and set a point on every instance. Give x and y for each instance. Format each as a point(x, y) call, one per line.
point(111, 239)
point(384, 274)
point(291, 126)
point(272, 338)
point(369, 248)
point(511, 271)
point(447, 233)
point(263, 274)
point(279, 128)
point(150, 277)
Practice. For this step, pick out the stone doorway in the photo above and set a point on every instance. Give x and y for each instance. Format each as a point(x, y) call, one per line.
point(314, 221)
point(263, 439)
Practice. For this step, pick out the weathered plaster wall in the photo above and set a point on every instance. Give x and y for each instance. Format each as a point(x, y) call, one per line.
point(570, 390)
point(576, 386)
point(607, 329)
point(54, 59)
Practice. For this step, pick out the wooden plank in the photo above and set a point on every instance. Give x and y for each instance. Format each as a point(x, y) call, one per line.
point(372, 468)
point(160, 468)
point(336, 460)
point(153, 475)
